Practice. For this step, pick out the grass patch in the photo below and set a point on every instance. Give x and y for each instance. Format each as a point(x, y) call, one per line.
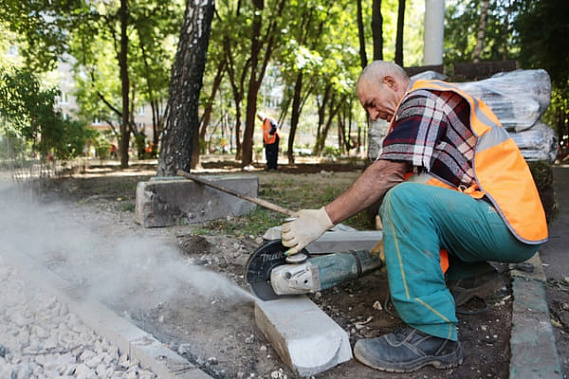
point(254, 223)
point(290, 191)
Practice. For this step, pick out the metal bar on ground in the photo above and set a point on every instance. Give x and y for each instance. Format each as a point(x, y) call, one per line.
point(256, 200)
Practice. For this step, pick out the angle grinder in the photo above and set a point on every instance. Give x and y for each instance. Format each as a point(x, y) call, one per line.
point(271, 274)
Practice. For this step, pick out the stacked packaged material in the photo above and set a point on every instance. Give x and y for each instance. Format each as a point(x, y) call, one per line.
point(518, 98)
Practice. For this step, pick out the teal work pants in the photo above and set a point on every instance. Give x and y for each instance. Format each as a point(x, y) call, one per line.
point(418, 220)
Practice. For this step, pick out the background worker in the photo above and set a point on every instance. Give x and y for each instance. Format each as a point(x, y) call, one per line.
point(271, 140)
point(449, 177)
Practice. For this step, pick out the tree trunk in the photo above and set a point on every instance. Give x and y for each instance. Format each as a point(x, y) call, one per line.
point(361, 35)
point(321, 140)
point(399, 37)
point(185, 87)
point(209, 107)
point(237, 89)
point(123, 64)
point(322, 112)
point(506, 31)
point(334, 107)
point(258, 71)
point(251, 110)
point(481, 31)
point(377, 30)
point(199, 136)
point(294, 118)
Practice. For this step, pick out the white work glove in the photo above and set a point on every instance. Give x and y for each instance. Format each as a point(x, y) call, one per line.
point(307, 227)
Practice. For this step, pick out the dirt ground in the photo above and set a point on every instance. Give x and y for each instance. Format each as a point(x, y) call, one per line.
point(218, 332)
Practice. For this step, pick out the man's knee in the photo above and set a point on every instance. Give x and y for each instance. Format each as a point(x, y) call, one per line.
point(402, 194)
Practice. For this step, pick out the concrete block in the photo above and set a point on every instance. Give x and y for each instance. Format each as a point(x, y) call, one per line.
point(305, 337)
point(336, 241)
point(532, 341)
point(173, 200)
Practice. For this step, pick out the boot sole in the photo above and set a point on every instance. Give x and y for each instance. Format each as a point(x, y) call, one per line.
point(444, 362)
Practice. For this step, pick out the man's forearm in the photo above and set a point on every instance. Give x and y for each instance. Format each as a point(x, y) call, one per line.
point(370, 187)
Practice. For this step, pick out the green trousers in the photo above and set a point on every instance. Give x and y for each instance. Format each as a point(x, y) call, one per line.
point(418, 220)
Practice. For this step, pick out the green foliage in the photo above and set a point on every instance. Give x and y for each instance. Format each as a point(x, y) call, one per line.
point(42, 24)
point(543, 32)
point(543, 29)
point(331, 151)
point(534, 32)
point(461, 30)
point(102, 146)
point(28, 115)
point(557, 113)
point(412, 33)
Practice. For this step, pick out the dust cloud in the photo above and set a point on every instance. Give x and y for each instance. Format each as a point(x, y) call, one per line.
point(134, 271)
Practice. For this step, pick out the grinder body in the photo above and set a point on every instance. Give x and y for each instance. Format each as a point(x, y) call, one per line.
point(322, 272)
point(271, 276)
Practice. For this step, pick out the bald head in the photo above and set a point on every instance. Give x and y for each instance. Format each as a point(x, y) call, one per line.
point(380, 88)
point(376, 71)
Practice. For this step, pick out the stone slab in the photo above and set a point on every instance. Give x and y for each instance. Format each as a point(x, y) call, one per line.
point(163, 202)
point(305, 337)
point(532, 342)
point(336, 241)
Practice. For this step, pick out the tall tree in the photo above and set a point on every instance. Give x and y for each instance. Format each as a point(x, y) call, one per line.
point(185, 87)
point(301, 58)
point(231, 35)
point(43, 25)
point(478, 29)
point(544, 45)
point(377, 30)
point(28, 117)
point(399, 37)
point(361, 34)
point(199, 138)
point(263, 44)
point(125, 87)
point(151, 58)
point(481, 31)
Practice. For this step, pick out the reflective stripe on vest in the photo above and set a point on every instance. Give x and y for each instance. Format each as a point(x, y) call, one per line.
point(267, 137)
point(500, 170)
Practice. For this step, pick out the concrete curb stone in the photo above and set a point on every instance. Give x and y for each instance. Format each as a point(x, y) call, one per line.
point(532, 342)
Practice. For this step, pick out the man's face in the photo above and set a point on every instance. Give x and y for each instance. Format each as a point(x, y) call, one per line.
point(380, 101)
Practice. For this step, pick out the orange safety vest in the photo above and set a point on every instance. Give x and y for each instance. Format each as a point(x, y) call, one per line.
point(269, 138)
point(500, 171)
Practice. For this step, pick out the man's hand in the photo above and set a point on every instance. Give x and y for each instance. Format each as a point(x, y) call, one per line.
point(307, 227)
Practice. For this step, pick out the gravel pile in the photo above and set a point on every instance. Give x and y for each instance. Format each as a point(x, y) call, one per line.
point(41, 338)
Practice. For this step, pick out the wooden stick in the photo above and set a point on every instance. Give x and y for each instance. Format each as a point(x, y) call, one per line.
point(256, 200)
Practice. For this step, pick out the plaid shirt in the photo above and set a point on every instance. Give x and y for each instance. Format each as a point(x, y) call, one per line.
point(431, 131)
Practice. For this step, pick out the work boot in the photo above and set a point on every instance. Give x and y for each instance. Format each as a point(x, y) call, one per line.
point(481, 286)
point(407, 349)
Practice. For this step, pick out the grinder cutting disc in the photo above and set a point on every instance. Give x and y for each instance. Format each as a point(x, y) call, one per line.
point(259, 266)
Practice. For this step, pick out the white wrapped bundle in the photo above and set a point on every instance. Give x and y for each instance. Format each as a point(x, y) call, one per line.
point(538, 143)
point(517, 98)
point(376, 134)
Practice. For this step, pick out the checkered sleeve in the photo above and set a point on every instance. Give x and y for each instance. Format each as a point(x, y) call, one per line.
point(418, 126)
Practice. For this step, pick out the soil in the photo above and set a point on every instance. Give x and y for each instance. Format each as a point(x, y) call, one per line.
point(217, 331)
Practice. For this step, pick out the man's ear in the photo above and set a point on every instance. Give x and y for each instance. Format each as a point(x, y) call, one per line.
point(389, 82)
